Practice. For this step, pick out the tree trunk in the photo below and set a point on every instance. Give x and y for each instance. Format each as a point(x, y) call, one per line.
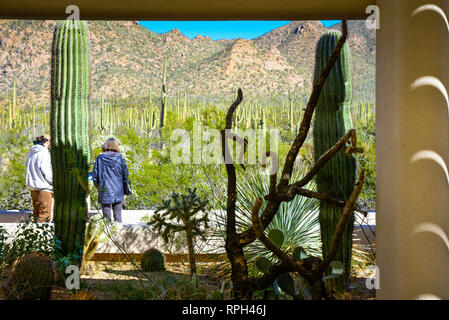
point(239, 275)
point(191, 251)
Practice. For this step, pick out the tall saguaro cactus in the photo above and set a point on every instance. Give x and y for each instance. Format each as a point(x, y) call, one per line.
point(69, 127)
point(332, 121)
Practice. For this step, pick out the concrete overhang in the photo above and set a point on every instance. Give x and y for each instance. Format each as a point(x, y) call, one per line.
point(187, 10)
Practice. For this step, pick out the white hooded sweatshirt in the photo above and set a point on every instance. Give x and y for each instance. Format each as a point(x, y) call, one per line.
point(39, 174)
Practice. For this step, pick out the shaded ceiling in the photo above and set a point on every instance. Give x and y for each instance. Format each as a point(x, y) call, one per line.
point(187, 10)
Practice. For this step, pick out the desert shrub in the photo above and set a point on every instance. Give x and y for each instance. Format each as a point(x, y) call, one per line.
point(14, 149)
point(184, 289)
point(37, 238)
point(153, 260)
point(31, 278)
point(29, 237)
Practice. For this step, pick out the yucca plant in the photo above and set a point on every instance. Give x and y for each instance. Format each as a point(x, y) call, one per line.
point(297, 219)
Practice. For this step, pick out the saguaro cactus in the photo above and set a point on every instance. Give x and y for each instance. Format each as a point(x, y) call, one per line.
point(69, 131)
point(332, 121)
point(164, 94)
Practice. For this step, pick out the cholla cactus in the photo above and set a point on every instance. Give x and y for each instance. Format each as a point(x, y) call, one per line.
point(180, 213)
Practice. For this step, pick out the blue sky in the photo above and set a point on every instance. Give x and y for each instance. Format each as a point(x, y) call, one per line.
point(221, 29)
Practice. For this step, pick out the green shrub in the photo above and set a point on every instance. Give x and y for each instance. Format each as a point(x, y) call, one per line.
point(29, 237)
point(153, 260)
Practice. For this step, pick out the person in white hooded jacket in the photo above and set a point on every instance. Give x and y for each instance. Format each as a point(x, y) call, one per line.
point(39, 178)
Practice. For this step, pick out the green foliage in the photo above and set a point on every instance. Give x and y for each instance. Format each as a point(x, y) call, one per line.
point(69, 125)
point(262, 264)
point(284, 281)
point(31, 279)
point(364, 118)
point(276, 236)
point(14, 148)
point(332, 120)
point(28, 238)
point(93, 237)
point(153, 260)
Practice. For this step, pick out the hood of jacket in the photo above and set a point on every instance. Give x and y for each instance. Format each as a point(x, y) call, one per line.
point(37, 148)
point(110, 159)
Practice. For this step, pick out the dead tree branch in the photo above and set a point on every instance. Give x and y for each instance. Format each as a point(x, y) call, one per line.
point(311, 268)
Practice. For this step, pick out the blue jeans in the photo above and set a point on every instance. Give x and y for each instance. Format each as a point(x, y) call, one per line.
point(116, 208)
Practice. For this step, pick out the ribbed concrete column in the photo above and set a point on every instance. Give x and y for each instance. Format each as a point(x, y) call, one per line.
point(413, 149)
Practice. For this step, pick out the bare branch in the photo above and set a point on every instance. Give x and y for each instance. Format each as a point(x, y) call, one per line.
point(259, 231)
point(307, 118)
point(273, 205)
point(273, 172)
point(293, 191)
point(283, 257)
point(232, 108)
point(349, 136)
point(228, 134)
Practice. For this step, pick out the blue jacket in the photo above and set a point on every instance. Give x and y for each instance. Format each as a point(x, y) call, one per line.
point(108, 175)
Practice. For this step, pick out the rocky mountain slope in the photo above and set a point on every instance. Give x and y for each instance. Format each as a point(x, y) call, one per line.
point(127, 60)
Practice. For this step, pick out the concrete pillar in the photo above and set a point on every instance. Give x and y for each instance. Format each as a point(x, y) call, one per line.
point(413, 149)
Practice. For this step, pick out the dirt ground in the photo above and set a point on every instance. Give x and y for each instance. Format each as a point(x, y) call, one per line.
point(112, 280)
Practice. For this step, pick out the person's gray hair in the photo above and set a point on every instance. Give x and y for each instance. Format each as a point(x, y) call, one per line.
point(111, 144)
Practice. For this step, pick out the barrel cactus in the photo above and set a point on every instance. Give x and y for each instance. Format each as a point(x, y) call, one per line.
point(69, 131)
point(332, 121)
point(31, 278)
point(153, 260)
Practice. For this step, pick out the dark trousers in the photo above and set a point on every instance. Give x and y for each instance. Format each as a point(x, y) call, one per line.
point(116, 208)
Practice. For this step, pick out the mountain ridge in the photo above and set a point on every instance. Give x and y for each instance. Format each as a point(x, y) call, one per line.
point(127, 60)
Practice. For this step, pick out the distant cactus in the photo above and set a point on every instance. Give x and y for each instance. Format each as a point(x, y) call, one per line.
point(153, 260)
point(332, 121)
point(163, 94)
point(70, 150)
point(31, 279)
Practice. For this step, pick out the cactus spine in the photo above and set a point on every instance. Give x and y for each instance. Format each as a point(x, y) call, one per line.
point(70, 152)
point(332, 120)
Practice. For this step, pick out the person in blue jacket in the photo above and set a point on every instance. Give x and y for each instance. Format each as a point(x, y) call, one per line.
point(109, 175)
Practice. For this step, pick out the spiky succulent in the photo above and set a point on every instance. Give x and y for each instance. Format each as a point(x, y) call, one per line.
point(153, 260)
